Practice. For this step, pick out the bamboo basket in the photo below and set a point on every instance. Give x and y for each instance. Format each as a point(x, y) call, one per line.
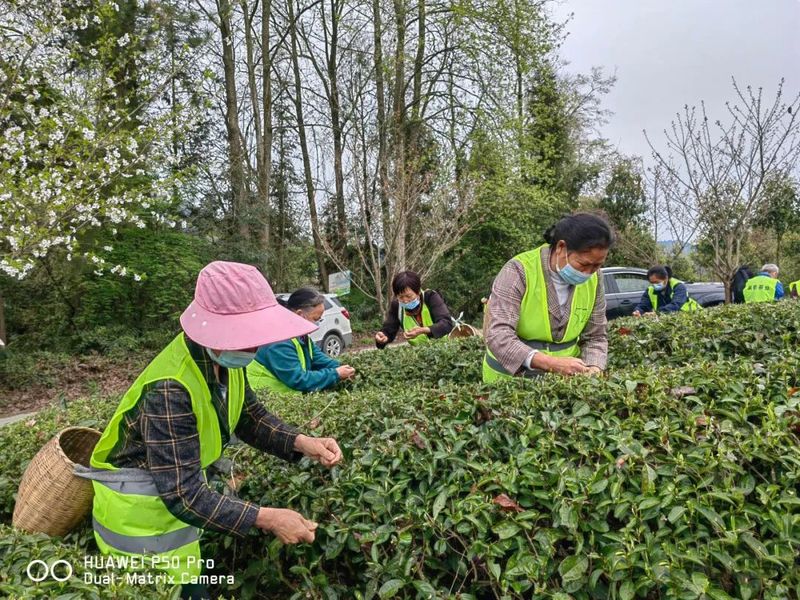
point(51, 499)
point(463, 330)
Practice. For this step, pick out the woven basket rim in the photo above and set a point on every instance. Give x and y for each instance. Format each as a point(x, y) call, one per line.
point(472, 328)
point(60, 450)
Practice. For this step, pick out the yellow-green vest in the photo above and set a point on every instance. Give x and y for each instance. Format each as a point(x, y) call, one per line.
point(760, 288)
point(410, 322)
point(128, 515)
point(260, 377)
point(794, 288)
point(690, 305)
point(533, 327)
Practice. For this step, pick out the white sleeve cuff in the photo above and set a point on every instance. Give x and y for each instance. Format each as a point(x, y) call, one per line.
point(529, 360)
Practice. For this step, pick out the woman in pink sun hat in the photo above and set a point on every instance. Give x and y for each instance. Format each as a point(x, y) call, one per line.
point(152, 499)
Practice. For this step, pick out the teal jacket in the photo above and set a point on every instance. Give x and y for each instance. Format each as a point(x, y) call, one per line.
point(281, 359)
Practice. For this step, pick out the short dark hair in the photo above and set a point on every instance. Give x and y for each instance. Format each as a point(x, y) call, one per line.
point(660, 271)
point(581, 231)
point(406, 279)
point(304, 297)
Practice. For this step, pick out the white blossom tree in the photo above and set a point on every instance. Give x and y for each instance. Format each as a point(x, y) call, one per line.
point(75, 155)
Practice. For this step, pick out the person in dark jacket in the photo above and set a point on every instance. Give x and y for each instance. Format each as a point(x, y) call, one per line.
point(738, 283)
point(420, 314)
point(665, 294)
point(297, 365)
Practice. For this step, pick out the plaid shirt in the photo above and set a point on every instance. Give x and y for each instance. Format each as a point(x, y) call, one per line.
point(160, 434)
point(508, 291)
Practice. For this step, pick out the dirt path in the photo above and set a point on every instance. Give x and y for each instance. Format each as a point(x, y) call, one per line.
point(83, 376)
point(89, 375)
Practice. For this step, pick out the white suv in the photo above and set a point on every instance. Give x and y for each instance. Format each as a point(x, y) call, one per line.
point(334, 334)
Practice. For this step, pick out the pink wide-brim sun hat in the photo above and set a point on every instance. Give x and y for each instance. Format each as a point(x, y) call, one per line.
point(234, 308)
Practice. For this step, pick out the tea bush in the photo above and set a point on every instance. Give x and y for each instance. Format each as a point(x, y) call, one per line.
point(760, 332)
point(675, 476)
point(757, 331)
point(18, 549)
point(446, 361)
point(648, 484)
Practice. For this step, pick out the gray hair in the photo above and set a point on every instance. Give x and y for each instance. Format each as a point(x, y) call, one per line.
point(770, 268)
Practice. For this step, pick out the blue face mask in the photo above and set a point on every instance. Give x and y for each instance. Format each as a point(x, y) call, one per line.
point(571, 276)
point(232, 359)
point(658, 287)
point(411, 305)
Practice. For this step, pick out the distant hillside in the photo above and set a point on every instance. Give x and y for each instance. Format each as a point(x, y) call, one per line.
point(667, 246)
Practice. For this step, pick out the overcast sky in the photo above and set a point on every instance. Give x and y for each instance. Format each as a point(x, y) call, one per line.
point(667, 53)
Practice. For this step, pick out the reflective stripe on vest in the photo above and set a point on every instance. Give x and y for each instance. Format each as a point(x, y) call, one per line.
point(760, 288)
point(147, 544)
point(124, 481)
point(533, 327)
point(690, 305)
point(129, 516)
point(260, 377)
point(495, 365)
point(408, 322)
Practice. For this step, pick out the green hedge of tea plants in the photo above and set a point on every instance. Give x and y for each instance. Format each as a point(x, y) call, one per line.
point(758, 332)
point(667, 483)
point(18, 550)
point(676, 478)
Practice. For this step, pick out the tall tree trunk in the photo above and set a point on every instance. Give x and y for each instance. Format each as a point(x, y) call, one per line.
point(281, 194)
point(779, 240)
point(301, 129)
point(265, 167)
point(172, 42)
point(259, 220)
point(373, 250)
point(399, 138)
point(380, 99)
point(413, 128)
point(518, 88)
point(336, 125)
point(416, 99)
point(233, 133)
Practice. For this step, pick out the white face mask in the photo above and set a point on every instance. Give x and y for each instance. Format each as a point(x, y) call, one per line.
point(569, 274)
point(232, 359)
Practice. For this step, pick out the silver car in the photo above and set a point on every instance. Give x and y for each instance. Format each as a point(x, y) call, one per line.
point(334, 334)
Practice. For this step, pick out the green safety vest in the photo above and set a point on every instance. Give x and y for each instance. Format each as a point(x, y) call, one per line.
point(410, 322)
point(760, 288)
point(128, 515)
point(260, 377)
point(794, 288)
point(533, 327)
point(690, 305)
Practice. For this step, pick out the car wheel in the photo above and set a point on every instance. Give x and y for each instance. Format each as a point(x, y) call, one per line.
point(332, 344)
